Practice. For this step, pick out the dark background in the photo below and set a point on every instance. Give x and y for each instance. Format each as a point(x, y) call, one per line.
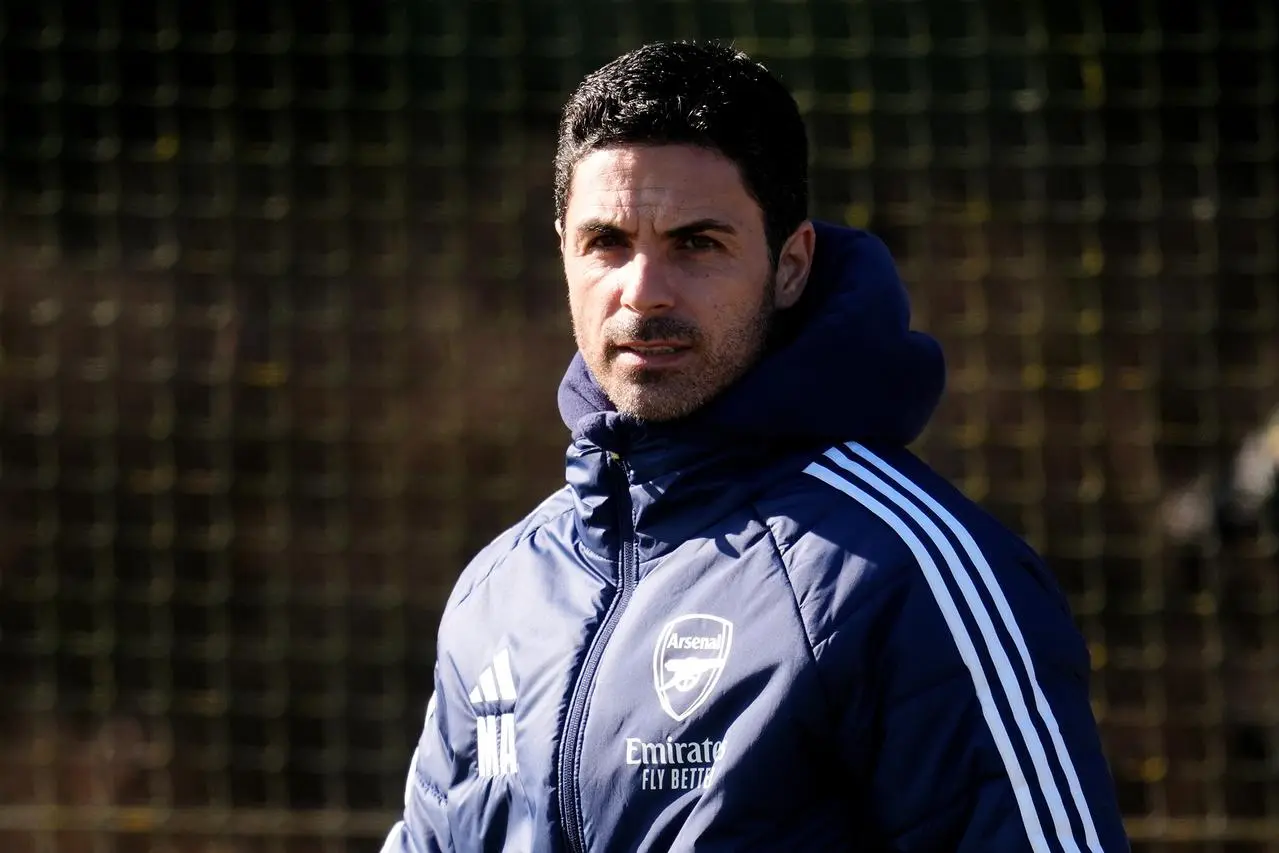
point(281, 322)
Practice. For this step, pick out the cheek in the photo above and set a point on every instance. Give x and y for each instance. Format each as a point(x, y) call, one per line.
point(737, 331)
point(733, 309)
point(588, 298)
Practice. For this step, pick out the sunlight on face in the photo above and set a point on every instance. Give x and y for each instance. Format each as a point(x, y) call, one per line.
point(669, 279)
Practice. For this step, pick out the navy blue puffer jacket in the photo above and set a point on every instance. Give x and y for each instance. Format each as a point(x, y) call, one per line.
point(768, 627)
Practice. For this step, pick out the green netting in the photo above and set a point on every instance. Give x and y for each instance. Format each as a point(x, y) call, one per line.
point(281, 323)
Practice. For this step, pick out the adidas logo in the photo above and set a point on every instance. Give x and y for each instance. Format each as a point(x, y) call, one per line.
point(495, 732)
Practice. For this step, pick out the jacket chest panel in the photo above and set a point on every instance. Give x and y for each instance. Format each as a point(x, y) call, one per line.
point(704, 687)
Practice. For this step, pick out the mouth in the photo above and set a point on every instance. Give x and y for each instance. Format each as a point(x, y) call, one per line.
point(652, 354)
point(653, 347)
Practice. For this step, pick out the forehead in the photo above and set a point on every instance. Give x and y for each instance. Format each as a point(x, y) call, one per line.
point(659, 186)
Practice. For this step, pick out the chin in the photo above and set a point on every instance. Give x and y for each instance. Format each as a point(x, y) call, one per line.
point(642, 403)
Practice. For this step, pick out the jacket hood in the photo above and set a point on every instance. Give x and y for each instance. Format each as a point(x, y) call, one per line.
point(844, 364)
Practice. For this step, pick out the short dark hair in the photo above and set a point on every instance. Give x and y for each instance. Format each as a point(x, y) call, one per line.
point(704, 94)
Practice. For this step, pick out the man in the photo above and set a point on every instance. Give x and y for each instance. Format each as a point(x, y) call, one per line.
point(751, 620)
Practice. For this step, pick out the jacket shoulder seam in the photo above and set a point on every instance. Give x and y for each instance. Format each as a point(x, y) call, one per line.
point(832, 505)
point(530, 527)
point(777, 552)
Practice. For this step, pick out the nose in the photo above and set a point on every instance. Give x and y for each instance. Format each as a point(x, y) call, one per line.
point(646, 285)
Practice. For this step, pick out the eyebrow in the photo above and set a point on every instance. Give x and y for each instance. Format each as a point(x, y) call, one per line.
point(699, 226)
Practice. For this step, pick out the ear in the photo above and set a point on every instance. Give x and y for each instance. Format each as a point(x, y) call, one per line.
point(793, 265)
point(559, 233)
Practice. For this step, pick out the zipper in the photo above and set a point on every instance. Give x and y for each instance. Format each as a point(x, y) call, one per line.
point(575, 725)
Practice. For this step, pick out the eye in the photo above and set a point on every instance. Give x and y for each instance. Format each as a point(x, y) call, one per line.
point(699, 243)
point(605, 241)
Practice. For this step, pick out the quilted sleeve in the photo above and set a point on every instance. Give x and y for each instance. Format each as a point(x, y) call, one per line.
point(979, 733)
point(424, 826)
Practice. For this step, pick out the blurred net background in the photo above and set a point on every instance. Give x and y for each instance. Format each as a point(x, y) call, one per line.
point(281, 323)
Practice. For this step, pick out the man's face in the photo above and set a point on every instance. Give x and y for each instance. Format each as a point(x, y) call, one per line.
point(670, 283)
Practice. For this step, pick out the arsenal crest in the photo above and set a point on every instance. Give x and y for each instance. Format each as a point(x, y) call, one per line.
point(688, 660)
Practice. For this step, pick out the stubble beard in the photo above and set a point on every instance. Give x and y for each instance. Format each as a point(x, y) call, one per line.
point(667, 395)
